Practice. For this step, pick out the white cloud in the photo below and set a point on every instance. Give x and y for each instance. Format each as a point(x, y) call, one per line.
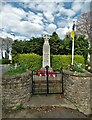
point(62, 23)
point(46, 7)
point(48, 10)
point(40, 18)
point(49, 16)
point(11, 21)
point(44, 32)
point(35, 18)
point(51, 28)
point(83, 5)
point(70, 12)
point(67, 12)
point(32, 5)
point(11, 16)
point(62, 32)
point(5, 35)
point(76, 6)
point(28, 27)
point(66, 22)
point(86, 7)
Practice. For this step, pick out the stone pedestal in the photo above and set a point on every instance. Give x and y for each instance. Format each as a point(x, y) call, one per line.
point(46, 51)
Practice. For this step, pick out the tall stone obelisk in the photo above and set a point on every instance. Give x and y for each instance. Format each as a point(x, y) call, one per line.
point(46, 51)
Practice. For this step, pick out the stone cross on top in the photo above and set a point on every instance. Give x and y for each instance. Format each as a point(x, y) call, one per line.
point(46, 38)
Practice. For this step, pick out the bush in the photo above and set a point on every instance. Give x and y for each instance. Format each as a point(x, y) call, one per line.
point(78, 67)
point(30, 61)
point(58, 62)
point(12, 71)
point(19, 106)
point(5, 61)
point(79, 59)
point(63, 61)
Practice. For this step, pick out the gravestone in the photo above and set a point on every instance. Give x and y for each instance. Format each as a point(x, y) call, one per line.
point(46, 51)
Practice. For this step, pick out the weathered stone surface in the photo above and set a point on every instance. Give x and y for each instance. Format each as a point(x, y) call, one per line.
point(46, 52)
point(16, 89)
point(77, 90)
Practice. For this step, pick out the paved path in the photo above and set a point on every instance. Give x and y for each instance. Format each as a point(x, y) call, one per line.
point(50, 100)
point(51, 106)
point(54, 113)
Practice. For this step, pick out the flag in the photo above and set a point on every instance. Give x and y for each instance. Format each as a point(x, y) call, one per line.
point(73, 32)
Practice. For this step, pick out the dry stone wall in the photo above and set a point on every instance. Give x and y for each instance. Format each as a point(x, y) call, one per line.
point(16, 90)
point(77, 89)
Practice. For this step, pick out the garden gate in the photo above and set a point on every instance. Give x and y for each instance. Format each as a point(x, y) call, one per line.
point(48, 83)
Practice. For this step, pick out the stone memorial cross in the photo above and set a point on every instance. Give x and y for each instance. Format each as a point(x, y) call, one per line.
point(46, 51)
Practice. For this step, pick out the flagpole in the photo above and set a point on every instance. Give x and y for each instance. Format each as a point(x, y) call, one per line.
point(72, 50)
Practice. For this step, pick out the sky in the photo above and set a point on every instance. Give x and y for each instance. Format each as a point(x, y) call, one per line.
point(24, 19)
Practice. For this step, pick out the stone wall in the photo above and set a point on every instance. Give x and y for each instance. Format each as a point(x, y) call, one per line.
point(16, 90)
point(77, 90)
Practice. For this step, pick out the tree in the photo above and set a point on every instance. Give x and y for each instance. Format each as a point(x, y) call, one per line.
point(18, 47)
point(66, 46)
point(84, 27)
point(54, 43)
point(35, 45)
point(81, 46)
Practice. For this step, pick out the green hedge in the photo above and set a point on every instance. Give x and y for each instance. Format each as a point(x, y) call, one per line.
point(30, 61)
point(4, 61)
point(63, 61)
point(33, 61)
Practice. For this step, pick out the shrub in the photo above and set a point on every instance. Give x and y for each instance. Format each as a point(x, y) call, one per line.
point(78, 67)
point(79, 59)
point(5, 61)
point(56, 62)
point(63, 61)
point(19, 106)
point(12, 71)
point(31, 61)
